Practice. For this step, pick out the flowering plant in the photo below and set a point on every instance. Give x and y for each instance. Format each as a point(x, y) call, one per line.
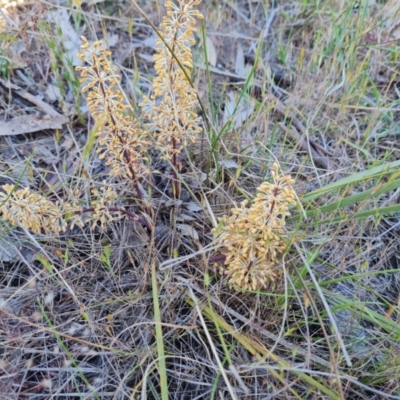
point(254, 236)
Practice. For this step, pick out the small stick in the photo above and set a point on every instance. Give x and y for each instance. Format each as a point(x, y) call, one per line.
point(318, 159)
point(34, 100)
point(133, 216)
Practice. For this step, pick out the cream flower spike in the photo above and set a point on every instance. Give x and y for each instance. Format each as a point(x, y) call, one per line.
point(254, 237)
point(123, 142)
point(31, 210)
point(170, 108)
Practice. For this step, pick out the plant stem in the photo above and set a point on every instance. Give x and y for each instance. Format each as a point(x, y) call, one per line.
point(127, 154)
point(135, 182)
point(175, 183)
point(218, 259)
point(133, 216)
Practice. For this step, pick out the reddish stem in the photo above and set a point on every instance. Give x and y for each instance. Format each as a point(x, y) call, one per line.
point(127, 155)
point(135, 183)
point(220, 259)
point(133, 216)
point(175, 184)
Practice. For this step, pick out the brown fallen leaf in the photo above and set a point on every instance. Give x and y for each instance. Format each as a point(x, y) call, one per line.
point(31, 98)
point(31, 123)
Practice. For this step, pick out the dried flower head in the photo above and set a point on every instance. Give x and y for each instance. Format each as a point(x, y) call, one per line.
point(31, 210)
point(253, 237)
point(170, 108)
point(104, 197)
point(123, 142)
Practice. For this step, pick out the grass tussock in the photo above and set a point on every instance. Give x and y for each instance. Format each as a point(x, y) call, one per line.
point(219, 218)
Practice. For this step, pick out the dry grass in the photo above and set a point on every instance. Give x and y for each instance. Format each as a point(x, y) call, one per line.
point(127, 313)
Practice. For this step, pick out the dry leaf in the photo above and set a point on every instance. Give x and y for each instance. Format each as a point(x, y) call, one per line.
point(53, 92)
point(238, 114)
point(211, 52)
point(241, 69)
point(239, 63)
point(31, 123)
point(188, 230)
point(228, 163)
point(193, 206)
point(185, 217)
point(31, 98)
point(112, 40)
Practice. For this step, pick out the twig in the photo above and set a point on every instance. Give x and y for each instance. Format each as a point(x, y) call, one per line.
point(7, 18)
point(133, 216)
point(318, 159)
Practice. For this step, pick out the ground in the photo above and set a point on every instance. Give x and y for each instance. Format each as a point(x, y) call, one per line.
point(130, 308)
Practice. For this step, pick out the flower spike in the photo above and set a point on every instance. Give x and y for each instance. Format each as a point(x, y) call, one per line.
point(254, 237)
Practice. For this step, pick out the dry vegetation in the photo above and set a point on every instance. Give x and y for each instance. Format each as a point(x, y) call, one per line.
point(123, 274)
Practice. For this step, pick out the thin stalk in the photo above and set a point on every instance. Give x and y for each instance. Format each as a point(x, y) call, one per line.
point(159, 335)
point(176, 189)
point(127, 154)
point(135, 183)
point(133, 216)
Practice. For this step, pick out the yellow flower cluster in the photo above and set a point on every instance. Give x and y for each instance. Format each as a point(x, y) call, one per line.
point(253, 237)
point(123, 141)
point(170, 108)
point(31, 210)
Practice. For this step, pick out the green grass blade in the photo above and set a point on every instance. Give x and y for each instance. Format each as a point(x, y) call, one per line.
point(360, 215)
point(348, 201)
point(71, 358)
point(369, 315)
point(159, 336)
point(355, 178)
point(260, 352)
